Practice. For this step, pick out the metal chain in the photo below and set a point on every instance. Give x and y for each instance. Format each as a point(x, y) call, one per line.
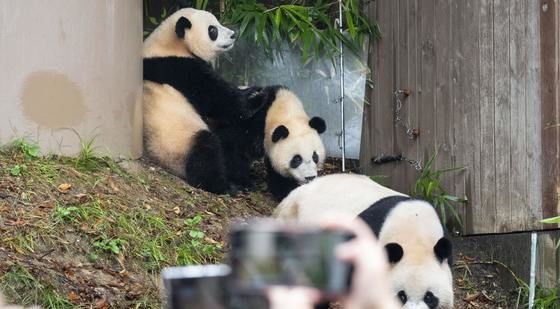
point(382, 159)
point(417, 164)
point(410, 132)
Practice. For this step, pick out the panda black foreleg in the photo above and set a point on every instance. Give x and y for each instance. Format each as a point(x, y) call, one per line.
point(205, 164)
point(278, 185)
point(236, 155)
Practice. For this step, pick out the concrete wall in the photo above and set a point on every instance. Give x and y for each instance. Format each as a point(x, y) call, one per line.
point(72, 68)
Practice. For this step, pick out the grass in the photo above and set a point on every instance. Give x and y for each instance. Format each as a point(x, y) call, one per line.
point(19, 278)
point(111, 227)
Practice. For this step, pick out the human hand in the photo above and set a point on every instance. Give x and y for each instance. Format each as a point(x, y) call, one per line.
point(281, 297)
point(370, 281)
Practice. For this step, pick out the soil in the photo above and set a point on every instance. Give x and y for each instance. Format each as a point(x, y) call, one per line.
point(95, 233)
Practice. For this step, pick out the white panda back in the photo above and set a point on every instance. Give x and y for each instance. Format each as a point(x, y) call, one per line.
point(329, 195)
point(170, 124)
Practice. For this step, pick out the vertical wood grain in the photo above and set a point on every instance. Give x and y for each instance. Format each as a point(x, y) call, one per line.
point(533, 113)
point(484, 213)
point(519, 212)
point(550, 79)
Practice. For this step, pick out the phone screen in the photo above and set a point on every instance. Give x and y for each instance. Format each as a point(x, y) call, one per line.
point(200, 287)
point(263, 258)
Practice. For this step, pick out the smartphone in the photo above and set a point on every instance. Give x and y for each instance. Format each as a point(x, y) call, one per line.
point(267, 253)
point(196, 287)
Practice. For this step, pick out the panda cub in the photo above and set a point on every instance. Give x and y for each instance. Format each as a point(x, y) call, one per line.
point(181, 90)
point(413, 236)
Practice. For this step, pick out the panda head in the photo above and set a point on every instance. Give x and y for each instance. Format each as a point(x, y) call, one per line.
point(297, 151)
point(422, 280)
point(190, 32)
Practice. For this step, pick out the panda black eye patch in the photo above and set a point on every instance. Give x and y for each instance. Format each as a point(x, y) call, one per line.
point(315, 157)
point(402, 296)
point(296, 161)
point(431, 300)
point(213, 33)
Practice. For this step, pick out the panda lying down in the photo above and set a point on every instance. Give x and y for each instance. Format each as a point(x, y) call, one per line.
point(416, 244)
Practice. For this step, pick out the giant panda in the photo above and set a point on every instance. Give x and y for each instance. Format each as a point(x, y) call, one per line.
point(289, 138)
point(416, 243)
point(181, 91)
point(340, 193)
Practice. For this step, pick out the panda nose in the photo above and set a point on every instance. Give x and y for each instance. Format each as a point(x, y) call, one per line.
point(310, 178)
point(233, 35)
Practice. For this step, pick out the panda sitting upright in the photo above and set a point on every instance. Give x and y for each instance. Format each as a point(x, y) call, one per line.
point(181, 90)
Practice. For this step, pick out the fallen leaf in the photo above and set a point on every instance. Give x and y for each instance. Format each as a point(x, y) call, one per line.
point(471, 297)
point(64, 188)
point(17, 222)
point(176, 210)
point(112, 184)
point(72, 296)
point(101, 303)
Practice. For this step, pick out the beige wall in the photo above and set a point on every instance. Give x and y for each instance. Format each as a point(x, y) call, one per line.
point(68, 66)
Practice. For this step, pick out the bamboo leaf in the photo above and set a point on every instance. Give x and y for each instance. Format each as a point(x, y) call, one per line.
point(553, 220)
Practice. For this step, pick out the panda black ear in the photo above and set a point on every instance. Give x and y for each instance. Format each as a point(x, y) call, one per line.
point(182, 24)
point(443, 249)
point(394, 252)
point(318, 124)
point(279, 133)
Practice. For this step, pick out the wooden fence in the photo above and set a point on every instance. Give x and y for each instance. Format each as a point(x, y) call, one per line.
point(484, 82)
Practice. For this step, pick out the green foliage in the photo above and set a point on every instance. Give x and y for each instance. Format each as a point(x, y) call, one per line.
point(28, 149)
point(113, 245)
point(18, 169)
point(553, 220)
point(545, 298)
point(429, 187)
point(378, 178)
point(309, 25)
point(197, 246)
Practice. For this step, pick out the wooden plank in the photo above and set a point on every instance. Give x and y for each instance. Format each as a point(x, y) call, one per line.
point(519, 218)
point(400, 140)
point(414, 110)
point(384, 109)
point(426, 78)
point(367, 140)
point(466, 117)
point(502, 107)
point(550, 79)
point(443, 120)
point(533, 112)
point(484, 213)
point(380, 111)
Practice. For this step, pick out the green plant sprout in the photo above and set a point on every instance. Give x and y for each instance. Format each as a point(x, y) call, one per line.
point(429, 187)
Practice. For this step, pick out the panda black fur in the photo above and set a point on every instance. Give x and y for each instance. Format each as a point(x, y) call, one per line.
point(410, 230)
point(181, 90)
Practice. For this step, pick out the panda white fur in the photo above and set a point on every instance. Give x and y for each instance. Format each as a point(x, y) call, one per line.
point(410, 230)
point(331, 194)
point(181, 90)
